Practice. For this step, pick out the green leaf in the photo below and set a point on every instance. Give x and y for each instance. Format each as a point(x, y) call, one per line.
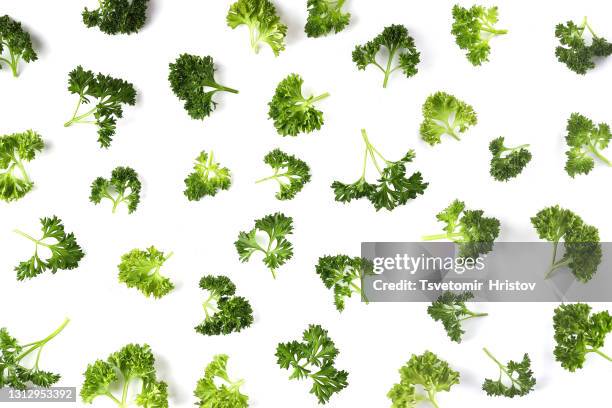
point(518, 376)
point(292, 112)
point(192, 79)
point(507, 162)
point(585, 141)
point(450, 309)
point(398, 44)
point(111, 94)
point(207, 179)
point(573, 50)
point(290, 173)
point(225, 312)
point(343, 275)
point(578, 333)
point(313, 358)
point(473, 29)
point(117, 16)
point(65, 251)
point(277, 250)
point(429, 372)
point(123, 187)
point(216, 390)
point(325, 16)
point(15, 149)
point(443, 114)
point(18, 44)
point(265, 27)
point(141, 270)
point(132, 366)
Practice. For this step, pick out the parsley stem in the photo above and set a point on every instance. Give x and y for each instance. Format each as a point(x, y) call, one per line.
point(388, 70)
point(601, 157)
point(600, 353)
point(312, 100)
point(79, 119)
point(36, 241)
point(39, 344)
point(432, 398)
point(502, 368)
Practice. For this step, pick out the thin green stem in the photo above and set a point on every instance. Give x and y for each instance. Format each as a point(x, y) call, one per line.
point(441, 236)
point(388, 70)
point(41, 343)
point(597, 351)
point(124, 393)
point(36, 241)
point(601, 157)
point(111, 396)
point(78, 119)
point(226, 89)
point(312, 100)
point(24, 174)
point(431, 396)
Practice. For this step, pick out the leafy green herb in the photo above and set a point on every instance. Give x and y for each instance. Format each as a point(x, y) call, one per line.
point(450, 309)
point(133, 365)
point(392, 189)
point(17, 42)
point(313, 358)
point(225, 312)
point(117, 16)
point(123, 187)
point(65, 251)
point(291, 111)
point(140, 269)
point(15, 149)
point(265, 27)
point(192, 79)
point(574, 51)
point(473, 29)
point(225, 395)
point(585, 139)
point(518, 375)
point(290, 173)
point(277, 250)
point(429, 372)
point(207, 179)
point(398, 42)
point(443, 114)
point(507, 162)
point(344, 275)
point(469, 229)
point(13, 373)
point(110, 94)
point(582, 248)
point(325, 16)
point(578, 333)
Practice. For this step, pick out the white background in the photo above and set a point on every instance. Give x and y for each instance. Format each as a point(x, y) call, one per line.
point(523, 94)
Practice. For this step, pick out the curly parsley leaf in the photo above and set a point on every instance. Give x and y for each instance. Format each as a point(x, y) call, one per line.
point(398, 43)
point(443, 114)
point(15, 149)
point(507, 162)
point(63, 247)
point(574, 51)
point(578, 333)
point(265, 26)
point(519, 378)
point(450, 309)
point(216, 390)
point(207, 179)
point(123, 187)
point(585, 140)
point(133, 365)
point(225, 312)
point(110, 95)
point(583, 251)
point(277, 250)
point(141, 270)
point(473, 29)
point(117, 16)
point(313, 358)
point(325, 16)
point(17, 42)
point(192, 79)
point(393, 187)
point(344, 275)
point(290, 173)
point(13, 372)
point(429, 372)
point(469, 229)
point(293, 113)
